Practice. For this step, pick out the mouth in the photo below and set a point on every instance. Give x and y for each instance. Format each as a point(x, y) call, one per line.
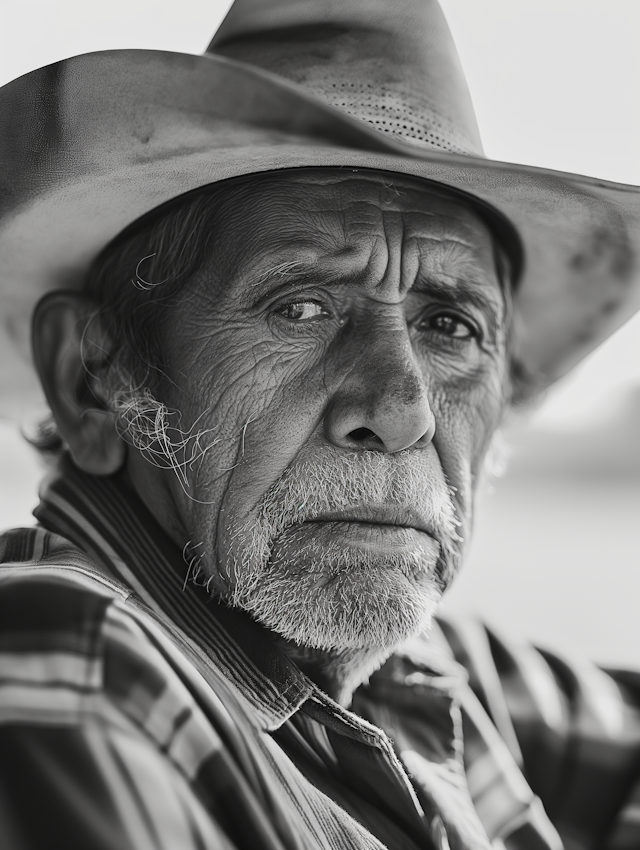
point(391, 537)
point(385, 517)
point(385, 537)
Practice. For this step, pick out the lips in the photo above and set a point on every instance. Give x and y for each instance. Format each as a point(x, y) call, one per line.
point(388, 515)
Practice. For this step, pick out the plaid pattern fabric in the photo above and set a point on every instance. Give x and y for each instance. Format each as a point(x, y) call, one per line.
point(572, 729)
point(135, 712)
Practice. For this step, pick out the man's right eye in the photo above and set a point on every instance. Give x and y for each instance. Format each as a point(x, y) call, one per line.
point(303, 311)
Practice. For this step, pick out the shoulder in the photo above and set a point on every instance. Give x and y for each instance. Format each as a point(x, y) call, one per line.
point(573, 728)
point(76, 649)
point(93, 716)
point(63, 633)
point(52, 622)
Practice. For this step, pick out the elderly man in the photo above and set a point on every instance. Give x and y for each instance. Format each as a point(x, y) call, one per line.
point(281, 305)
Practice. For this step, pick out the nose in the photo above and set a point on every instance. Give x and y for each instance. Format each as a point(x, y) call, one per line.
point(382, 404)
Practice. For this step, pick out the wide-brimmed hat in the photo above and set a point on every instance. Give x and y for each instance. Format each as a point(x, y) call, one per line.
point(90, 144)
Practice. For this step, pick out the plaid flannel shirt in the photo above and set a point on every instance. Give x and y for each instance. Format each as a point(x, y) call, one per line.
point(135, 712)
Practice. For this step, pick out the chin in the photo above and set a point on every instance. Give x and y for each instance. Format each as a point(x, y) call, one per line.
point(347, 618)
point(341, 598)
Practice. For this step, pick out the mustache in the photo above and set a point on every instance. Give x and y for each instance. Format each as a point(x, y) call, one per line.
point(323, 482)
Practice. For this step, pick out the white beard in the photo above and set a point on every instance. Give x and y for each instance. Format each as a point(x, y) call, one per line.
point(324, 593)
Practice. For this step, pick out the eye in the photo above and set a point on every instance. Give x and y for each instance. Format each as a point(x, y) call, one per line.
point(302, 311)
point(449, 324)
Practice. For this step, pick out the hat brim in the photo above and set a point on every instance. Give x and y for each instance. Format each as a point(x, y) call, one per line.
point(91, 144)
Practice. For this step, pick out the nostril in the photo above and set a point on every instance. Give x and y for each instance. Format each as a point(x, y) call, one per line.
point(361, 435)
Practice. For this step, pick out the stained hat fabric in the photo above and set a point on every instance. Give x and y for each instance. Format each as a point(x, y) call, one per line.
point(90, 144)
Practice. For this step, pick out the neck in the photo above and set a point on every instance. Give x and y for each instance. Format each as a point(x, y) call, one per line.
point(337, 673)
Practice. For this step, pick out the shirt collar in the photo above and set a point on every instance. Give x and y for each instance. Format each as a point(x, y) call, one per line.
point(107, 520)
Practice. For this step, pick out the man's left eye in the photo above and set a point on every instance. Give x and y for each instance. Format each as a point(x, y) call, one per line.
point(302, 311)
point(449, 325)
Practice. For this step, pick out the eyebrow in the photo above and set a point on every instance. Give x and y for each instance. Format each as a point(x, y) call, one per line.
point(300, 268)
point(287, 272)
point(456, 290)
point(465, 290)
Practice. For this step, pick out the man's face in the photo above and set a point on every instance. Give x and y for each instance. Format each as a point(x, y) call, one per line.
point(343, 360)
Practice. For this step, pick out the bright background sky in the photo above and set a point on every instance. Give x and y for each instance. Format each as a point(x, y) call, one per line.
point(555, 83)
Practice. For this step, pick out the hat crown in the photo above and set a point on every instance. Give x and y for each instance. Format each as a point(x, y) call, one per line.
point(391, 64)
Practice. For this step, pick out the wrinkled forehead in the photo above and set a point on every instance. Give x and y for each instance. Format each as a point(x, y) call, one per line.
point(328, 212)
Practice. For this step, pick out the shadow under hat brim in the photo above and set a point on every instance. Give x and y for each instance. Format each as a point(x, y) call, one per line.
point(91, 144)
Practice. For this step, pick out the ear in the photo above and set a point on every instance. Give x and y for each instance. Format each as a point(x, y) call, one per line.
point(62, 333)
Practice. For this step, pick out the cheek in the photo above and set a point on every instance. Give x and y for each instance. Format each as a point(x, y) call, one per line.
point(261, 399)
point(467, 413)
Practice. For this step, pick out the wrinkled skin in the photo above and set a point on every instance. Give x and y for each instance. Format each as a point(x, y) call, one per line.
point(345, 317)
point(389, 336)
